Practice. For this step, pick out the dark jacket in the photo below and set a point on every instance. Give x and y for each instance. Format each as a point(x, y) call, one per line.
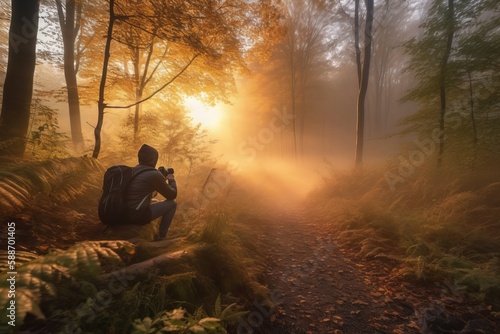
point(141, 190)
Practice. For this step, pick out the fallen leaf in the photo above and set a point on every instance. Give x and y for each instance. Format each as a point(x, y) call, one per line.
point(339, 322)
point(413, 325)
point(359, 302)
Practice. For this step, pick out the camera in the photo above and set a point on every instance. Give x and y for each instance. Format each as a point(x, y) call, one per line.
point(166, 171)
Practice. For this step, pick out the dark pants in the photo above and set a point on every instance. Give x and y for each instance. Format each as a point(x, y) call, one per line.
point(166, 210)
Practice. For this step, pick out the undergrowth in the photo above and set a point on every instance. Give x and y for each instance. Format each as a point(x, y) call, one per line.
point(436, 226)
point(62, 289)
point(62, 180)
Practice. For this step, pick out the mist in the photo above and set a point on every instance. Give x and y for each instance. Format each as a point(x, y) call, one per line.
point(329, 166)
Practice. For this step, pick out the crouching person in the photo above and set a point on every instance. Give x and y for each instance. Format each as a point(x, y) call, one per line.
point(146, 181)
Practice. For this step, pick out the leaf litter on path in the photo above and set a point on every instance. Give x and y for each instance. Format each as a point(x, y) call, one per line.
point(339, 292)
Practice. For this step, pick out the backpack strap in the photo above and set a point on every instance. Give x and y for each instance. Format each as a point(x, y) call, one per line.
point(140, 172)
point(137, 174)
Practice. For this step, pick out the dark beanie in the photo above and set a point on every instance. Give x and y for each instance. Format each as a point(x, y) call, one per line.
point(148, 156)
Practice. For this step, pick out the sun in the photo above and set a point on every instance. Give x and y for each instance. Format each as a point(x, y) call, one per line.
point(207, 116)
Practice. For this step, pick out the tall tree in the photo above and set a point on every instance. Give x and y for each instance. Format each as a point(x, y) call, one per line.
point(455, 62)
point(450, 31)
point(70, 20)
point(363, 86)
point(305, 48)
point(179, 35)
point(4, 33)
point(18, 88)
point(101, 105)
point(395, 22)
point(356, 41)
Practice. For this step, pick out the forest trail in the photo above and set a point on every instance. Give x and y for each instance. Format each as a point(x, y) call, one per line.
point(321, 287)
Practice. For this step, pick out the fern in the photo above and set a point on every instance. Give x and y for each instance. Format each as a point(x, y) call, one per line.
point(27, 301)
point(46, 272)
point(229, 314)
point(61, 178)
point(84, 259)
point(38, 281)
point(21, 258)
point(179, 321)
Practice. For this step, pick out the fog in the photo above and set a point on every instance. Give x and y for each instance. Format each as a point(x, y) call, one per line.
point(329, 157)
point(289, 98)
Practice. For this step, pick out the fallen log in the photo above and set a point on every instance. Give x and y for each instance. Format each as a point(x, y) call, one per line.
point(161, 243)
point(161, 264)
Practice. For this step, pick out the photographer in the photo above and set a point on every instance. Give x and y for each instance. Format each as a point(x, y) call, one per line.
point(141, 210)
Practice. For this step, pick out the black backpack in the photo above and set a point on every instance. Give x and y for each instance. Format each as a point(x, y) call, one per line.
point(112, 204)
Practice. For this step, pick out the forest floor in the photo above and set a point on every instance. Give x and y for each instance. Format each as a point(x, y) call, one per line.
point(317, 283)
point(323, 287)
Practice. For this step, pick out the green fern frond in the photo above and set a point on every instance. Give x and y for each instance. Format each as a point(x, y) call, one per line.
point(37, 280)
point(46, 271)
point(22, 257)
point(37, 286)
point(83, 260)
point(26, 301)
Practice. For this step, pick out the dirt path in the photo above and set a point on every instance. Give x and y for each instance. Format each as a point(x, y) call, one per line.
point(322, 288)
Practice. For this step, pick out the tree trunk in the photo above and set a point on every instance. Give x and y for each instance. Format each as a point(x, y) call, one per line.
point(137, 113)
point(293, 93)
point(69, 32)
point(473, 118)
point(101, 105)
point(356, 40)
point(18, 88)
point(138, 93)
point(442, 83)
point(364, 82)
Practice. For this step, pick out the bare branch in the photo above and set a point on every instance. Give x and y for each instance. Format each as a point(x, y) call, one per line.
point(158, 90)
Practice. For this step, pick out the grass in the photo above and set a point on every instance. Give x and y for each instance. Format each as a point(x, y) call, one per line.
point(438, 225)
